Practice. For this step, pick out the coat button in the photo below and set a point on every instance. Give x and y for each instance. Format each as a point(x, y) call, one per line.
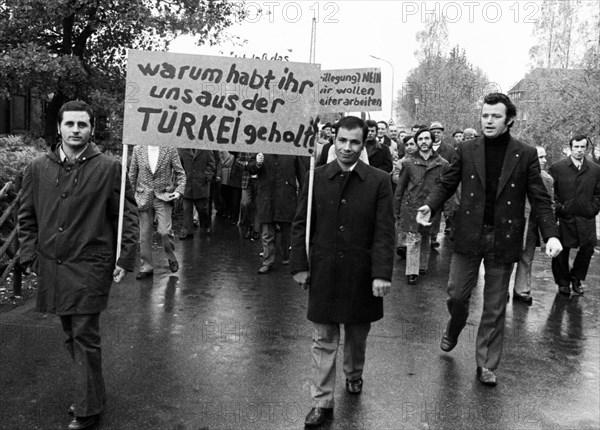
point(512, 185)
point(468, 212)
point(471, 194)
point(60, 229)
point(342, 176)
point(517, 155)
point(508, 202)
point(59, 261)
point(510, 221)
point(472, 176)
point(68, 169)
point(508, 236)
point(342, 228)
point(344, 201)
point(341, 254)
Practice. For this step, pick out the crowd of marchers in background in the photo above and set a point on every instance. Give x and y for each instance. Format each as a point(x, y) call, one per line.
point(258, 193)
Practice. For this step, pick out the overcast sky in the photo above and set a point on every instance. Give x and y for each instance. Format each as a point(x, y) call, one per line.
point(497, 35)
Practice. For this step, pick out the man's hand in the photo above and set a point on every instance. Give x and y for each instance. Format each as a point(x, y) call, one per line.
point(118, 274)
point(423, 215)
point(381, 287)
point(553, 247)
point(302, 279)
point(260, 158)
point(173, 196)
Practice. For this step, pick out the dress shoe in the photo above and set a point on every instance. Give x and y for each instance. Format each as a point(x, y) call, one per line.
point(318, 416)
point(173, 265)
point(448, 343)
point(79, 423)
point(144, 275)
point(411, 279)
point(486, 376)
point(564, 289)
point(264, 269)
point(435, 244)
point(525, 297)
point(186, 236)
point(354, 387)
point(576, 284)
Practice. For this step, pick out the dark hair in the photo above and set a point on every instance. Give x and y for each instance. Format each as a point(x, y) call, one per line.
point(384, 123)
point(416, 126)
point(421, 131)
point(371, 123)
point(579, 138)
point(456, 132)
point(495, 98)
point(327, 125)
point(407, 138)
point(353, 122)
point(75, 106)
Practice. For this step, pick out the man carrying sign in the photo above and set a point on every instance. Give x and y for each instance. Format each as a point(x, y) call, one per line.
point(351, 261)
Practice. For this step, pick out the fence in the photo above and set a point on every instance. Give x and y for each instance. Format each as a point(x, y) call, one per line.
point(10, 215)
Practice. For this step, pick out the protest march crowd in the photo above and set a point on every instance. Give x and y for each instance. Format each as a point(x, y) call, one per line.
point(379, 195)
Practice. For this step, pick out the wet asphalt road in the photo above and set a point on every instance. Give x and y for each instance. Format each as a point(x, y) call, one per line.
point(217, 346)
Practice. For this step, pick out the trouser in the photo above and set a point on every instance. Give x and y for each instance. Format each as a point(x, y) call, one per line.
point(248, 205)
point(560, 264)
point(270, 236)
point(83, 345)
point(464, 271)
point(326, 339)
point(523, 275)
point(188, 214)
point(418, 249)
point(162, 210)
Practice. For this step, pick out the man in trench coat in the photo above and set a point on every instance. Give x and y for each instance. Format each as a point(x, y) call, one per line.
point(279, 178)
point(68, 218)
point(349, 269)
point(577, 193)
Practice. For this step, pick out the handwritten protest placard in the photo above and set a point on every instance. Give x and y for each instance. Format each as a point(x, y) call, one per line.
point(350, 90)
point(221, 103)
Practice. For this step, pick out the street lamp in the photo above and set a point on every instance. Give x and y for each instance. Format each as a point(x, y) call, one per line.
point(392, 66)
point(417, 110)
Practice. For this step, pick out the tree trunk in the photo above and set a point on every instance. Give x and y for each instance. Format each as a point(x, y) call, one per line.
point(51, 134)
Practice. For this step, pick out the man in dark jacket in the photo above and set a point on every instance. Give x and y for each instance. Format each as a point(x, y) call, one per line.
point(577, 194)
point(68, 220)
point(379, 154)
point(279, 178)
point(420, 173)
point(199, 167)
point(496, 173)
point(351, 261)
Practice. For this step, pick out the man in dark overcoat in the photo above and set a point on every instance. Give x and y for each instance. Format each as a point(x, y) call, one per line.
point(577, 194)
point(199, 166)
point(349, 269)
point(496, 173)
point(279, 179)
point(68, 218)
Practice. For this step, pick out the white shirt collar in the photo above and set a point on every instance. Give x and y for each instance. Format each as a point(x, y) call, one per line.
point(63, 156)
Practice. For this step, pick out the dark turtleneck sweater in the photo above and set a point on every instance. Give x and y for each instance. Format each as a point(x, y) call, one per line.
point(495, 150)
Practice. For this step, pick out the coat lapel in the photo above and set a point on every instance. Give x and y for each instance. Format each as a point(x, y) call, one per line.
point(511, 159)
point(479, 155)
